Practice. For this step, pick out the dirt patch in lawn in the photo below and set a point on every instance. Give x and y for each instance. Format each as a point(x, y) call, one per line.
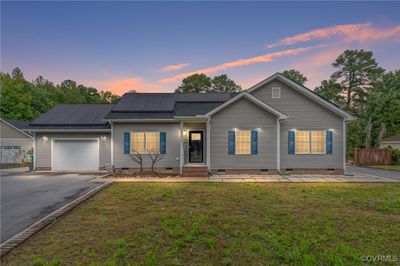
point(222, 224)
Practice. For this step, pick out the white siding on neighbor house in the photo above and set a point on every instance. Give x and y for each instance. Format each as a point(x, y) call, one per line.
point(243, 114)
point(43, 148)
point(304, 114)
point(170, 159)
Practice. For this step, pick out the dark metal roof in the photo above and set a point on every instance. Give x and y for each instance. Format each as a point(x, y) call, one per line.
point(193, 109)
point(145, 102)
point(140, 115)
point(165, 102)
point(88, 116)
point(392, 138)
point(17, 123)
point(77, 127)
point(166, 105)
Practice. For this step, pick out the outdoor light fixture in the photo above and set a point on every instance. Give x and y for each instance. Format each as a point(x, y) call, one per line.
point(103, 138)
point(45, 139)
point(185, 132)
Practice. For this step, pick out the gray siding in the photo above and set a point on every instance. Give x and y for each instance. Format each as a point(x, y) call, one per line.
point(243, 114)
point(171, 158)
point(304, 113)
point(43, 149)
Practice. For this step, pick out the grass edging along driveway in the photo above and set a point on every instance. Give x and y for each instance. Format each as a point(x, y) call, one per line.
point(16, 240)
point(222, 224)
point(386, 167)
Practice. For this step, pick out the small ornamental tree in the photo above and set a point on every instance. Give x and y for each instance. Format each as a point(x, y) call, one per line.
point(137, 157)
point(154, 157)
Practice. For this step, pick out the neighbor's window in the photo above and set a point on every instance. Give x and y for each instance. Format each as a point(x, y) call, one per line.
point(310, 142)
point(276, 92)
point(145, 142)
point(243, 142)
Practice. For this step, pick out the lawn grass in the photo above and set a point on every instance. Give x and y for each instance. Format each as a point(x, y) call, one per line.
point(387, 167)
point(222, 224)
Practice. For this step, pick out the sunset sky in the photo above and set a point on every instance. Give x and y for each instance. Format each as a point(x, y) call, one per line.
point(152, 46)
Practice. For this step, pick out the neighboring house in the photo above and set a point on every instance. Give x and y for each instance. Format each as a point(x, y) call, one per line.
point(276, 125)
point(14, 143)
point(393, 141)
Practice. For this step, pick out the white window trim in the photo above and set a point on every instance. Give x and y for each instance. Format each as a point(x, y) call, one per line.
point(309, 143)
point(145, 141)
point(278, 89)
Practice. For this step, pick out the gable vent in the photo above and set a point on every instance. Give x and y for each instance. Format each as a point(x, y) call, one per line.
point(276, 92)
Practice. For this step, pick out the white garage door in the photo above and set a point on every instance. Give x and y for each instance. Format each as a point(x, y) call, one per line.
point(76, 155)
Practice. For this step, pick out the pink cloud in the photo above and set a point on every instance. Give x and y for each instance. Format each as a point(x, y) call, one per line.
point(350, 32)
point(122, 86)
point(175, 67)
point(241, 62)
point(321, 58)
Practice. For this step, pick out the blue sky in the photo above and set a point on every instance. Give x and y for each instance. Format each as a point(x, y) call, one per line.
point(128, 45)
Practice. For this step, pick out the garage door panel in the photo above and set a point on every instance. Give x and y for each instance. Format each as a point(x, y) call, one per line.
point(75, 155)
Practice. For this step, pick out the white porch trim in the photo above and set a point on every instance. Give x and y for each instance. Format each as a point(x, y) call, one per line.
point(209, 144)
point(181, 151)
point(278, 145)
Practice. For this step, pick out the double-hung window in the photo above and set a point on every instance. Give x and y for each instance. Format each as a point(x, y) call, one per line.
point(310, 142)
point(145, 142)
point(243, 142)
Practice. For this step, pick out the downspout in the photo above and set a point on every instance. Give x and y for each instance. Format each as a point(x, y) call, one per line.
point(34, 151)
point(112, 146)
point(278, 145)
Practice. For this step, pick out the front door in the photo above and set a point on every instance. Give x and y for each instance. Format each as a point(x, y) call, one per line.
point(195, 146)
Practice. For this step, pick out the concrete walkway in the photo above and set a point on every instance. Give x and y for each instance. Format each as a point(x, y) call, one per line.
point(359, 178)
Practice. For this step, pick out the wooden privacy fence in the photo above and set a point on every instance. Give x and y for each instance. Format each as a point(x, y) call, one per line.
point(364, 156)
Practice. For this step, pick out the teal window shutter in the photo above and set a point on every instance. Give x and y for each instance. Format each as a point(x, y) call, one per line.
point(163, 142)
point(291, 142)
point(231, 142)
point(254, 142)
point(329, 140)
point(127, 142)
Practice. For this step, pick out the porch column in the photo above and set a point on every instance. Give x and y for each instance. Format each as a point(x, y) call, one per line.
point(181, 158)
point(208, 144)
point(278, 145)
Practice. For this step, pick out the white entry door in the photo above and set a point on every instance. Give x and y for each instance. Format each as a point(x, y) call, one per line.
point(75, 155)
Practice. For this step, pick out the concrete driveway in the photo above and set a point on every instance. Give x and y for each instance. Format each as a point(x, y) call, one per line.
point(27, 197)
point(392, 174)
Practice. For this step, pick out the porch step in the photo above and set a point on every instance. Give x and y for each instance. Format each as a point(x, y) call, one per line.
point(194, 175)
point(195, 171)
point(198, 169)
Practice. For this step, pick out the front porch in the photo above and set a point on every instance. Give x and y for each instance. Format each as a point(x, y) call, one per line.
point(194, 148)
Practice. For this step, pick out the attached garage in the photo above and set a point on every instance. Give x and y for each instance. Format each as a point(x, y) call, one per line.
point(75, 154)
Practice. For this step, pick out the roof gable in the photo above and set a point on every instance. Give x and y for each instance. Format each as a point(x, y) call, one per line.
point(252, 99)
point(17, 125)
point(304, 91)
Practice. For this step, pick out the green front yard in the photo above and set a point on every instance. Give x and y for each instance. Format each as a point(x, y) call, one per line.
point(222, 224)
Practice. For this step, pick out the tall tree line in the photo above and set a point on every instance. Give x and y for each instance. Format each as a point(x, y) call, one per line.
point(364, 89)
point(26, 100)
